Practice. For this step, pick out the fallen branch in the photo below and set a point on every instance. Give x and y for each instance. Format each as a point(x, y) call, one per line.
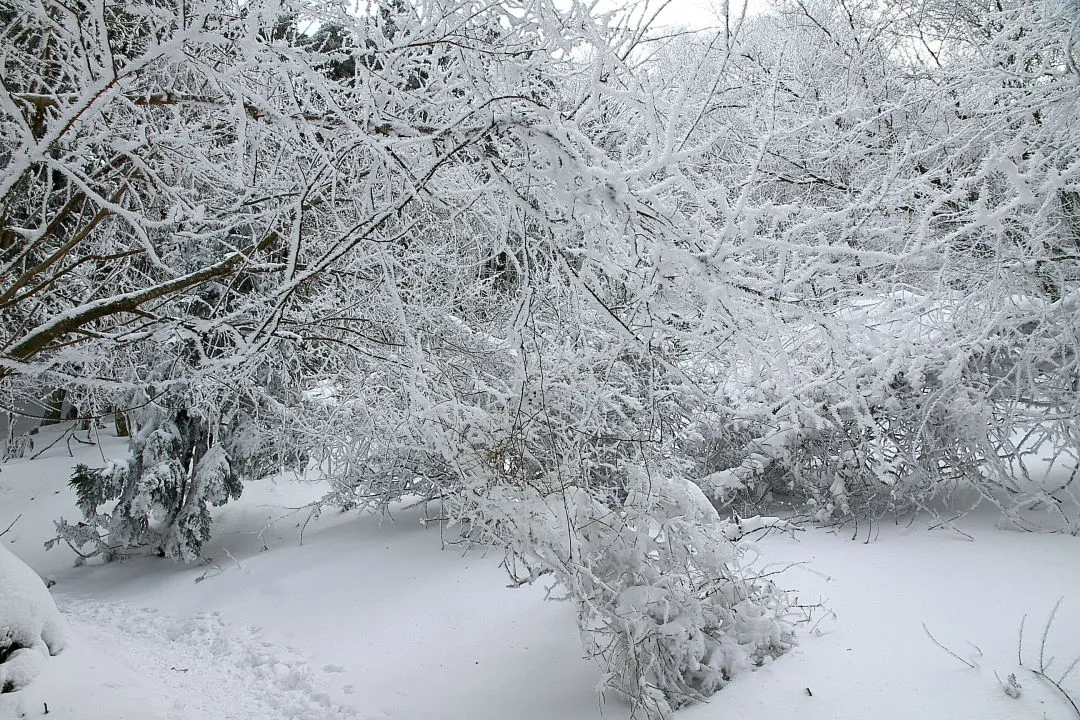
point(2, 534)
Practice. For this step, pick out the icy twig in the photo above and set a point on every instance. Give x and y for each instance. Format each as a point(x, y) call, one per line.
point(1043, 671)
point(235, 561)
point(61, 436)
point(935, 640)
point(11, 525)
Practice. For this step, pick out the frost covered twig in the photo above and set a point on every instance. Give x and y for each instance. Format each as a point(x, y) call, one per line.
point(936, 642)
point(740, 527)
point(1042, 670)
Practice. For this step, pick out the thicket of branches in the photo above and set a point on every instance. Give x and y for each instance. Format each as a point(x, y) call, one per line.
point(581, 282)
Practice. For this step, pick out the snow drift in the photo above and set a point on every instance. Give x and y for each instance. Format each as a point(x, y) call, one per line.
point(31, 628)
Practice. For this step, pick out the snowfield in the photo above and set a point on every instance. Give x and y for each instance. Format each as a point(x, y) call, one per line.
point(375, 619)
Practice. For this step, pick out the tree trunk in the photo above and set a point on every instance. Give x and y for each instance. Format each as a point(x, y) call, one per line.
point(120, 420)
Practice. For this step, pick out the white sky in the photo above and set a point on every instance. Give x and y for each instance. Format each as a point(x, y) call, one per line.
point(702, 13)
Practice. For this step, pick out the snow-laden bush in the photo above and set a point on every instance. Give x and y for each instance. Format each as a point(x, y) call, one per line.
point(573, 471)
point(181, 462)
point(665, 601)
point(162, 491)
point(905, 318)
point(31, 628)
point(919, 410)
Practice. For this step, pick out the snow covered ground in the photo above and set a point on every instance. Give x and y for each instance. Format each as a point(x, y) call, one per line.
point(372, 620)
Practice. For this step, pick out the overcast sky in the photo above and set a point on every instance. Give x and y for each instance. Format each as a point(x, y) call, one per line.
point(703, 13)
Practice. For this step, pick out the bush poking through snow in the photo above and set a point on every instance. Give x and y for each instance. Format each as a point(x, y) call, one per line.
point(181, 463)
point(575, 472)
point(163, 491)
point(31, 628)
point(666, 603)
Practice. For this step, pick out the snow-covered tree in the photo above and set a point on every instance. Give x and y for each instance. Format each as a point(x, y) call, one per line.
point(417, 216)
point(909, 221)
point(560, 276)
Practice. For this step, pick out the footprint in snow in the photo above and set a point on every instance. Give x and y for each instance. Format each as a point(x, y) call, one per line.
point(228, 672)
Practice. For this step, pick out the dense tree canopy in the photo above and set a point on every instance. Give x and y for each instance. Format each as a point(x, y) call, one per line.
point(582, 282)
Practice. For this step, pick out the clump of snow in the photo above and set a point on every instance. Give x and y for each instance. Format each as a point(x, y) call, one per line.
point(30, 625)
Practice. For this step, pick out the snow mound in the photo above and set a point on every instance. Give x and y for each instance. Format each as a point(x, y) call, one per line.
point(31, 627)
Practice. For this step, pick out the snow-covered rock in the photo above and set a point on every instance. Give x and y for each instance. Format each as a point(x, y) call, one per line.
point(31, 628)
